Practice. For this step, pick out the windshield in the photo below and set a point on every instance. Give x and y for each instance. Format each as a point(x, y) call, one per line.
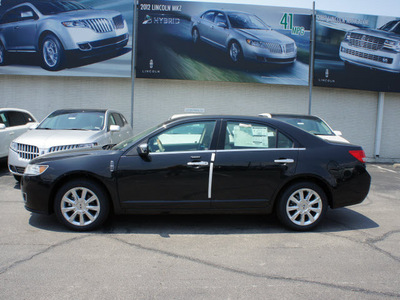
point(245, 21)
point(67, 120)
point(52, 8)
point(314, 126)
point(135, 138)
point(392, 26)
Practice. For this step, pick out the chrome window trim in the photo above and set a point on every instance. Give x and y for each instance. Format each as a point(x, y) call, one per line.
point(261, 149)
point(182, 152)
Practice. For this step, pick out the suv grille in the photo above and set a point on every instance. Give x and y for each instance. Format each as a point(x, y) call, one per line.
point(366, 41)
point(63, 148)
point(100, 25)
point(382, 59)
point(27, 152)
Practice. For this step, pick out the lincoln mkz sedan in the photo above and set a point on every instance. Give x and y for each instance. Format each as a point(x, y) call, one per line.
point(57, 28)
point(243, 36)
point(201, 164)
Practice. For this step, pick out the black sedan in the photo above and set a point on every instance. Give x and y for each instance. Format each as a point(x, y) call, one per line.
point(201, 164)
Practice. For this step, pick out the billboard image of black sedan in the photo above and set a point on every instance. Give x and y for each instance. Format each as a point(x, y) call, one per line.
point(223, 42)
point(357, 51)
point(59, 35)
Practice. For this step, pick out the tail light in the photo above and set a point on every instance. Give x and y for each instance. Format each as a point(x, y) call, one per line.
point(359, 154)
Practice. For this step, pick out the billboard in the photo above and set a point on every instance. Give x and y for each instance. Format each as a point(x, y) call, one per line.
point(223, 42)
point(66, 38)
point(357, 51)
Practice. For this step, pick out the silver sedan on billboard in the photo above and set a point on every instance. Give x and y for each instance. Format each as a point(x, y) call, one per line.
point(243, 36)
point(56, 28)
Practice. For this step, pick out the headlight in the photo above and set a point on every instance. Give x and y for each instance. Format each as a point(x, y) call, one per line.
point(78, 23)
point(88, 145)
point(393, 45)
point(35, 170)
point(347, 36)
point(14, 146)
point(256, 43)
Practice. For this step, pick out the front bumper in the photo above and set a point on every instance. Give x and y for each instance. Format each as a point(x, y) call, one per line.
point(279, 54)
point(36, 194)
point(377, 59)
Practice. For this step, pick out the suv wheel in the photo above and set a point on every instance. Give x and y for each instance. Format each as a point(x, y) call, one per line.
point(52, 52)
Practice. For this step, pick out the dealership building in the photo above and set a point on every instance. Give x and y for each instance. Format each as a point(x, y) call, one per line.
point(367, 118)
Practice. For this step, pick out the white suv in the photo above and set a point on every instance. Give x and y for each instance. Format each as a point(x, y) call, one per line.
point(67, 130)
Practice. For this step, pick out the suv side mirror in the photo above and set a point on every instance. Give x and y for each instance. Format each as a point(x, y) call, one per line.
point(34, 126)
point(2, 126)
point(337, 132)
point(115, 128)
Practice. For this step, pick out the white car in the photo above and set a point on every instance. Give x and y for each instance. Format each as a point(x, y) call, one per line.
point(312, 124)
point(13, 123)
point(67, 130)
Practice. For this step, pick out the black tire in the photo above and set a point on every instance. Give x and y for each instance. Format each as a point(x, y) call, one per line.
point(3, 55)
point(81, 214)
point(235, 52)
point(17, 178)
point(302, 206)
point(52, 53)
point(195, 36)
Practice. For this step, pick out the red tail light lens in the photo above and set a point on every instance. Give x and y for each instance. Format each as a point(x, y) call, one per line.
point(359, 154)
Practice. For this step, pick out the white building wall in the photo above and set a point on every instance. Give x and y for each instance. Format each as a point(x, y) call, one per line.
point(351, 111)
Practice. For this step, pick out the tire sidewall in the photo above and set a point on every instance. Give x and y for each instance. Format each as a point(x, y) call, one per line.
point(3, 54)
point(240, 54)
point(93, 187)
point(282, 202)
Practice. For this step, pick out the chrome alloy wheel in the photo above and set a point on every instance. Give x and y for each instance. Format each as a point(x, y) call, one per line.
point(235, 52)
point(304, 207)
point(80, 206)
point(51, 53)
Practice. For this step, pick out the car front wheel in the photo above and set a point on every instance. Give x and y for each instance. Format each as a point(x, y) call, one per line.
point(195, 35)
point(302, 206)
point(53, 56)
point(235, 52)
point(81, 205)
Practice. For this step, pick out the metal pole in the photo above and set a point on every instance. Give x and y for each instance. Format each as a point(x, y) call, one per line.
point(134, 34)
point(379, 122)
point(311, 65)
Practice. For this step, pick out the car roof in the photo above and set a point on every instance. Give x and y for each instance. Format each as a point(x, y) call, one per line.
point(15, 109)
point(271, 115)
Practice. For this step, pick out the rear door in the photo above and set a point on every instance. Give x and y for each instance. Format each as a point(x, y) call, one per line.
point(250, 165)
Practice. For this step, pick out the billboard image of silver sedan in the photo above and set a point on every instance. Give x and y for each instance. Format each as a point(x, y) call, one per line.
point(59, 33)
point(223, 42)
point(243, 36)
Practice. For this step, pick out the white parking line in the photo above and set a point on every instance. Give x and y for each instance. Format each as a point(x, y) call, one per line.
point(388, 170)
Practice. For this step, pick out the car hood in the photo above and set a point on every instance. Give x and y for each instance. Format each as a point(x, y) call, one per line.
point(378, 33)
point(269, 36)
point(88, 14)
point(43, 138)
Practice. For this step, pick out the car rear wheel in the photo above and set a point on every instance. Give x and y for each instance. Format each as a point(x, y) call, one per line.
point(3, 55)
point(53, 56)
point(235, 52)
point(81, 205)
point(302, 206)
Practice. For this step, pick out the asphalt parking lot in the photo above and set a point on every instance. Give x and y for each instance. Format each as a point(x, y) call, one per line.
point(353, 254)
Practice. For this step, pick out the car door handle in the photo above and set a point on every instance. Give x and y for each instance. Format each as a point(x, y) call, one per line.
point(197, 163)
point(284, 161)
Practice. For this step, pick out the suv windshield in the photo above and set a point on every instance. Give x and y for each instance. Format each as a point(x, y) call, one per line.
point(245, 21)
point(67, 120)
point(392, 26)
point(314, 126)
point(52, 8)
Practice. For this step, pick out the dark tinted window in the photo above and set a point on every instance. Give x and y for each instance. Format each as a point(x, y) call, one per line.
point(4, 119)
point(209, 16)
point(16, 118)
point(118, 120)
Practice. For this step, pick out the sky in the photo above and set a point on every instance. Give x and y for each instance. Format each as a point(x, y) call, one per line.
point(372, 7)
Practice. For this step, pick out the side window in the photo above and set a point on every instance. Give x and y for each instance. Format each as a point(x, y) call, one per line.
point(187, 137)
point(111, 120)
point(4, 119)
point(16, 118)
point(220, 18)
point(11, 16)
point(118, 120)
point(123, 119)
point(209, 16)
point(254, 136)
point(28, 118)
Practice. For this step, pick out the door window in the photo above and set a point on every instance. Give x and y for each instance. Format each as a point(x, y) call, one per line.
point(187, 137)
point(241, 135)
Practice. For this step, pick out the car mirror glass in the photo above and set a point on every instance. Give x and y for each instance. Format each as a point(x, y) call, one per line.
point(33, 126)
point(222, 24)
point(143, 151)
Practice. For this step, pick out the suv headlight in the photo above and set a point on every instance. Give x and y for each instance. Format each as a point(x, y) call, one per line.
point(88, 145)
point(393, 45)
point(35, 170)
point(14, 146)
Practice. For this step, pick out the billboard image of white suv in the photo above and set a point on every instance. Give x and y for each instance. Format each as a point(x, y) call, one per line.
point(373, 48)
point(58, 31)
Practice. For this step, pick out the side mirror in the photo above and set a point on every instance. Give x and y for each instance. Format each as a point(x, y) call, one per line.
point(337, 132)
point(143, 151)
point(2, 126)
point(115, 128)
point(33, 126)
point(222, 24)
